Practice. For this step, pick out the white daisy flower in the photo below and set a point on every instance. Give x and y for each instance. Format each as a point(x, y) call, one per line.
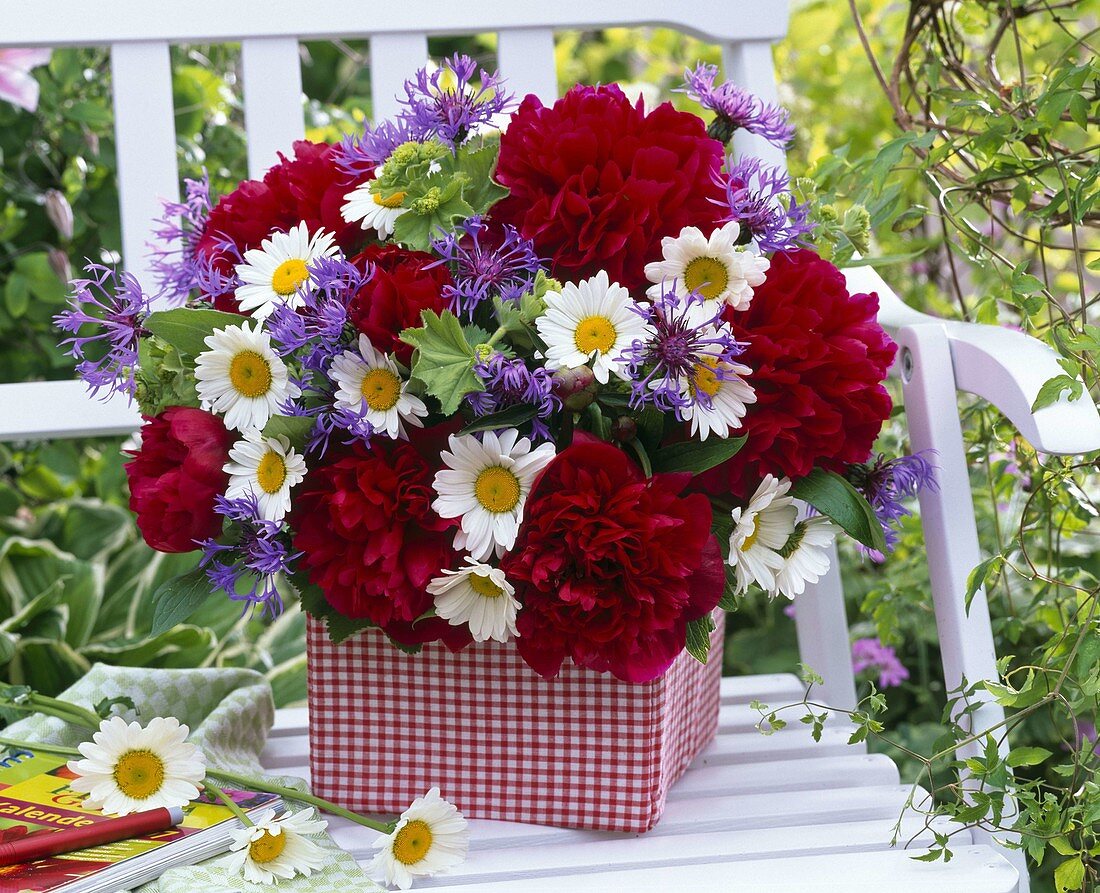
point(486, 483)
point(373, 210)
point(274, 849)
point(242, 378)
point(729, 396)
point(431, 837)
point(717, 269)
point(369, 380)
point(479, 595)
point(277, 271)
point(760, 530)
point(590, 321)
point(129, 768)
point(805, 557)
point(267, 467)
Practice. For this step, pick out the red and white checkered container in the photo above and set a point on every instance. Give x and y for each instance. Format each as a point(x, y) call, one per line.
point(584, 750)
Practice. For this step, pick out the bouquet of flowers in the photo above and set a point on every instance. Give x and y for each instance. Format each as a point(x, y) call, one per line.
point(550, 374)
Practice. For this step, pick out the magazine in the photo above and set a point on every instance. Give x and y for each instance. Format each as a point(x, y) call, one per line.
point(35, 798)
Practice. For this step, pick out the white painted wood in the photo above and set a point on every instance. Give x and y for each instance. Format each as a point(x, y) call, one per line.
point(59, 22)
point(145, 143)
point(748, 63)
point(272, 73)
point(42, 410)
point(526, 58)
point(975, 869)
point(394, 58)
point(770, 688)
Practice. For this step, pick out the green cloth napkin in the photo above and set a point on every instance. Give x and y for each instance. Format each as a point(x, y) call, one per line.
point(229, 712)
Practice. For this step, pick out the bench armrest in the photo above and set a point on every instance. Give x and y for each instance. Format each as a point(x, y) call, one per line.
point(1005, 367)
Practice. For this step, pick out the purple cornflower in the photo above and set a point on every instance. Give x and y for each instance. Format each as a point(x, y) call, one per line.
point(451, 112)
point(871, 654)
point(673, 350)
point(260, 553)
point(319, 322)
point(759, 199)
point(484, 267)
point(511, 383)
point(885, 483)
point(115, 304)
point(318, 402)
point(358, 156)
point(736, 108)
point(178, 229)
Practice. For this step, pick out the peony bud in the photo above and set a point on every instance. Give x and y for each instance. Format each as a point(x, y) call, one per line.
point(60, 213)
point(624, 429)
point(576, 388)
point(59, 263)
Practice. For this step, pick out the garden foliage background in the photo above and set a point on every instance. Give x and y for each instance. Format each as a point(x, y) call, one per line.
point(980, 196)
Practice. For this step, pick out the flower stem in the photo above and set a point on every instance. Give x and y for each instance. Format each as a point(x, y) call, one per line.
point(63, 710)
point(45, 748)
point(291, 794)
point(215, 791)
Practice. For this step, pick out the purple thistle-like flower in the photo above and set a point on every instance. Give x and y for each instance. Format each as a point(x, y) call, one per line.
point(114, 303)
point(871, 654)
point(177, 232)
point(885, 483)
point(759, 199)
point(358, 156)
point(259, 555)
point(484, 267)
point(452, 113)
point(318, 402)
point(511, 383)
point(735, 108)
point(674, 350)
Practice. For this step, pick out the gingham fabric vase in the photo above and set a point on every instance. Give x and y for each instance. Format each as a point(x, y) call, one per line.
point(583, 750)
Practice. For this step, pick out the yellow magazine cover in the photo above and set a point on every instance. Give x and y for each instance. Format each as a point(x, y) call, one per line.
point(35, 798)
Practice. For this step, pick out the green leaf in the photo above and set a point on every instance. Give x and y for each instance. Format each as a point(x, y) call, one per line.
point(1027, 756)
point(17, 295)
point(696, 456)
point(698, 637)
point(512, 417)
point(479, 164)
point(1052, 390)
point(444, 360)
point(186, 329)
point(1069, 876)
point(983, 576)
point(837, 499)
point(103, 709)
point(294, 428)
point(179, 598)
point(317, 606)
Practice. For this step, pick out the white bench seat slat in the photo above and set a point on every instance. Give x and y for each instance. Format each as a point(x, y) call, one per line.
point(975, 869)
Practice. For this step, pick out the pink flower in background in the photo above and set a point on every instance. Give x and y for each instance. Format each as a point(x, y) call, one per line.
point(16, 84)
point(871, 654)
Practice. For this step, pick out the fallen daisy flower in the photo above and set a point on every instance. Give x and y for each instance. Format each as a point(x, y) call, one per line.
point(274, 849)
point(430, 837)
point(130, 768)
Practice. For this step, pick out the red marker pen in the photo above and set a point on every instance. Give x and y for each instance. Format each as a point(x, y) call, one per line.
point(39, 846)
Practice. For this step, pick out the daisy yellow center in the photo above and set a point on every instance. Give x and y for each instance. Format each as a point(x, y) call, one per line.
point(381, 389)
point(271, 472)
point(497, 489)
point(288, 276)
point(250, 374)
point(707, 380)
point(139, 774)
point(707, 276)
point(751, 538)
point(595, 333)
point(389, 201)
point(267, 847)
point(412, 842)
point(483, 585)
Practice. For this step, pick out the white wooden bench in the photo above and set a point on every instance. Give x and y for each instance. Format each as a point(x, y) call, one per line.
point(754, 812)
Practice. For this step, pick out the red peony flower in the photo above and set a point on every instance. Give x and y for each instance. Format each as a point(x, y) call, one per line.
point(596, 183)
point(176, 475)
point(370, 539)
point(818, 358)
point(308, 187)
point(402, 286)
point(611, 566)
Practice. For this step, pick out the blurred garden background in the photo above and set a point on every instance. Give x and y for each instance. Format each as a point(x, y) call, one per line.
point(968, 133)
